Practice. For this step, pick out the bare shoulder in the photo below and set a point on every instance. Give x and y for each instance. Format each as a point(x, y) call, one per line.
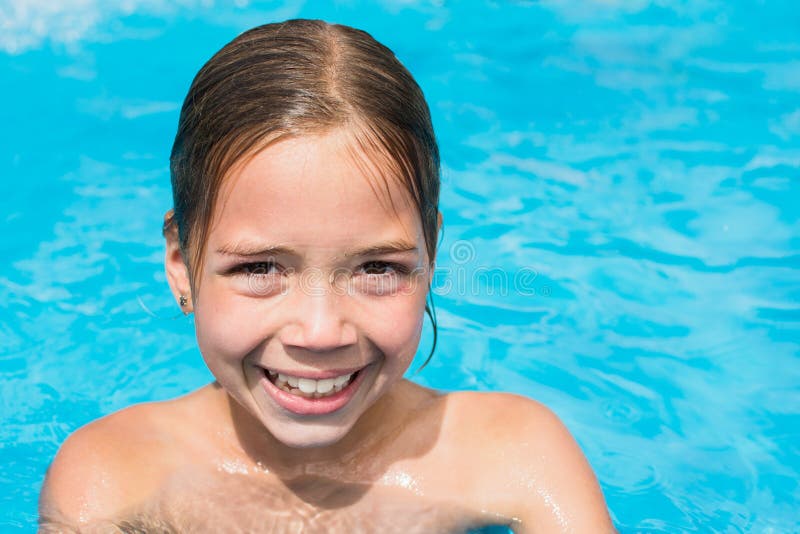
point(526, 464)
point(107, 467)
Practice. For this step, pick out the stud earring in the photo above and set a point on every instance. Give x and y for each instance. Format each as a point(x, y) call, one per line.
point(183, 301)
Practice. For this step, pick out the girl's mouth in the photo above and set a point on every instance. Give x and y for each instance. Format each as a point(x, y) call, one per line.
point(309, 387)
point(312, 396)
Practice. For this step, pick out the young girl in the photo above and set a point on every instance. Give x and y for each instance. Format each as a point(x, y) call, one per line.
point(305, 177)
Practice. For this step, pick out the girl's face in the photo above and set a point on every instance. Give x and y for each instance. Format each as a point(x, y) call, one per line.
point(312, 293)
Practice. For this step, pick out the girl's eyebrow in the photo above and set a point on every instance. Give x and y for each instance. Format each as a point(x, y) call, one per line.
point(389, 247)
point(249, 250)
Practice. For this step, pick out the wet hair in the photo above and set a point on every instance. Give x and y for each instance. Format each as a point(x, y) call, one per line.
point(294, 78)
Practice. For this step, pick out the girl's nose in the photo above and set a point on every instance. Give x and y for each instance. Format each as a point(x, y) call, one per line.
point(318, 322)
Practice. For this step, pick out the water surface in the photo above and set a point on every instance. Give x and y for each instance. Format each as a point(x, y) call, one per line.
point(621, 194)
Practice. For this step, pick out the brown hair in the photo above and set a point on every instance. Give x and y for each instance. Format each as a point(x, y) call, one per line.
point(293, 78)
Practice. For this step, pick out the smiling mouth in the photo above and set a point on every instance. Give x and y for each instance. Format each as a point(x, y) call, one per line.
point(310, 388)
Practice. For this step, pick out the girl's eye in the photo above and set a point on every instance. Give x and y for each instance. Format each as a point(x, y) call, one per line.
point(260, 268)
point(381, 278)
point(259, 278)
point(383, 268)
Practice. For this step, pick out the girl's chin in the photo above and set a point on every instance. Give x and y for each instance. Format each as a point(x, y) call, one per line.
point(290, 432)
point(300, 436)
point(311, 432)
point(301, 431)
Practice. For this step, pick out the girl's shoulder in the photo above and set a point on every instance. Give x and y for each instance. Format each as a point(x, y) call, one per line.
point(495, 417)
point(513, 455)
point(113, 463)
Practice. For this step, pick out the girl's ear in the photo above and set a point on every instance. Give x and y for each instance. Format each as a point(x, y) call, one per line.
point(177, 270)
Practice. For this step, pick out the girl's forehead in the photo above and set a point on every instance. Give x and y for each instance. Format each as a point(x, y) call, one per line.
point(316, 185)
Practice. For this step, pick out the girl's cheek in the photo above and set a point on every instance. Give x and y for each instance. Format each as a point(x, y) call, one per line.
point(220, 344)
point(398, 329)
point(228, 328)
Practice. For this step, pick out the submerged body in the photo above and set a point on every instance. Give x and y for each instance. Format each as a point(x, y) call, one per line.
point(437, 463)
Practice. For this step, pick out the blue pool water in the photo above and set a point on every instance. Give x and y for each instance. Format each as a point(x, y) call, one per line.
point(621, 195)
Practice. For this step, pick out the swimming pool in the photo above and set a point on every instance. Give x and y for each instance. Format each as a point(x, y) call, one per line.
point(621, 194)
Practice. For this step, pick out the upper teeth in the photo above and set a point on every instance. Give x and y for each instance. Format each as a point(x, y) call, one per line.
point(310, 386)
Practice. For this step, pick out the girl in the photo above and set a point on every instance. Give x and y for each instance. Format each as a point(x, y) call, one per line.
point(305, 177)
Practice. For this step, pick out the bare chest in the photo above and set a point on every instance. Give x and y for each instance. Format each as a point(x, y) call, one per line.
point(309, 504)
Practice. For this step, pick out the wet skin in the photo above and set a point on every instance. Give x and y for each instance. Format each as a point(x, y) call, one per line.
point(392, 484)
point(314, 264)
